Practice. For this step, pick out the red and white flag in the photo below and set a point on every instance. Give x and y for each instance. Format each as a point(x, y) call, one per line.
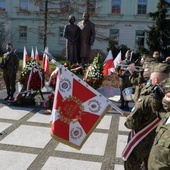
point(117, 60)
point(77, 109)
point(108, 66)
point(32, 53)
point(45, 62)
point(25, 57)
point(37, 57)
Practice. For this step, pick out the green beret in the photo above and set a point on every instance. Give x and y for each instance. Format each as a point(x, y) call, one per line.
point(161, 68)
point(165, 84)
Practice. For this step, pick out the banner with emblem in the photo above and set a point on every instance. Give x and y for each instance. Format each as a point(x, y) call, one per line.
point(77, 109)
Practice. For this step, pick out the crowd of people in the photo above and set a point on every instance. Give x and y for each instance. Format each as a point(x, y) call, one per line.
point(148, 145)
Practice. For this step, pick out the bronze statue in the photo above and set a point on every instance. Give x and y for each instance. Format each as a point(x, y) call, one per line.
point(87, 37)
point(71, 33)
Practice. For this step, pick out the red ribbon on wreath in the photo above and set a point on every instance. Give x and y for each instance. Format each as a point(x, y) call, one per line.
point(35, 80)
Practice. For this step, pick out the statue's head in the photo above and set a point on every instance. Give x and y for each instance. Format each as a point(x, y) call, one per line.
point(86, 16)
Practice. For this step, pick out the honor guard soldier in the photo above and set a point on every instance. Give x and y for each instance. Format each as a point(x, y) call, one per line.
point(10, 64)
point(124, 81)
point(159, 157)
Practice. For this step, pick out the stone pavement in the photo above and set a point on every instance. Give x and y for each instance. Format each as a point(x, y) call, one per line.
point(26, 143)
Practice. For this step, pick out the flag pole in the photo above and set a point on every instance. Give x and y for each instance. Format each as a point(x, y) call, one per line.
point(52, 59)
point(118, 109)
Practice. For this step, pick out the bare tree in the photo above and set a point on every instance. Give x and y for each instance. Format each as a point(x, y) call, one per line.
point(4, 33)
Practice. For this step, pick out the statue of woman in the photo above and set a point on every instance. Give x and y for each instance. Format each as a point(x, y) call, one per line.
point(71, 33)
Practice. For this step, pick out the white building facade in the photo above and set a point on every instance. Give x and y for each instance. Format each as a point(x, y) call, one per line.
point(22, 22)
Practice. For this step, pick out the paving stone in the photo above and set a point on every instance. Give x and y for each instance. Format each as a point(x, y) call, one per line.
point(70, 164)
point(105, 122)
point(15, 160)
point(119, 167)
point(121, 143)
point(3, 126)
point(90, 147)
point(39, 117)
point(122, 127)
point(30, 136)
point(14, 113)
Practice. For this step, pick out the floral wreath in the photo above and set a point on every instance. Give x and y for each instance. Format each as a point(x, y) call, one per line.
point(32, 76)
point(94, 73)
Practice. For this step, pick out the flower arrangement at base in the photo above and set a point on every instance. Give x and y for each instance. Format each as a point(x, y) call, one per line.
point(32, 80)
point(32, 76)
point(75, 68)
point(25, 98)
point(94, 73)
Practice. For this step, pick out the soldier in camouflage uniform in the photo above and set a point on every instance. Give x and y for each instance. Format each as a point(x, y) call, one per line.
point(124, 81)
point(140, 78)
point(159, 157)
point(10, 64)
point(143, 114)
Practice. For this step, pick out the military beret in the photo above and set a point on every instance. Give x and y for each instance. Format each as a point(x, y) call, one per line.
point(165, 84)
point(161, 68)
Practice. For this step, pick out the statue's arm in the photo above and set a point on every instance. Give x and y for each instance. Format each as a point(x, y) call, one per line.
point(93, 34)
point(65, 33)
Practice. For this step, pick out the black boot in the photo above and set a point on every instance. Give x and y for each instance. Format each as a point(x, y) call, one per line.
point(7, 98)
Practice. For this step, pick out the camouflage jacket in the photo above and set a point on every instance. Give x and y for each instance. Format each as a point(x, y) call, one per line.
point(163, 131)
point(124, 80)
point(143, 112)
point(10, 62)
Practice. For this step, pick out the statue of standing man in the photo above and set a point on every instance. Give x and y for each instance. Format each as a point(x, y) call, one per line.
point(87, 37)
point(71, 33)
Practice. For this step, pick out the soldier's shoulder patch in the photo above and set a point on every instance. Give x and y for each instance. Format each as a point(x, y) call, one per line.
point(140, 99)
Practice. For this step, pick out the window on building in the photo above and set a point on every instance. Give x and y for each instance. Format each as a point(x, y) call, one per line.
point(41, 34)
point(61, 37)
point(24, 4)
point(142, 7)
point(2, 5)
point(140, 38)
point(116, 6)
point(42, 6)
point(91, 6)
point(64, 5)
point(114, 34)
point(23, 33)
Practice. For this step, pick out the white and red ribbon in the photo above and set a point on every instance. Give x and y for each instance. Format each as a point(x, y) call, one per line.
point(138, 137)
